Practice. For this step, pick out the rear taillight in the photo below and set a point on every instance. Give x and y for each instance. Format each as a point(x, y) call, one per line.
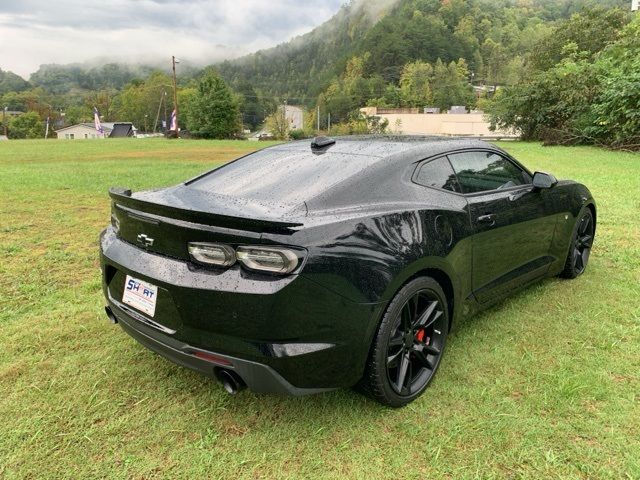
point(275, 260)
point(268, 259)
point(212, 254)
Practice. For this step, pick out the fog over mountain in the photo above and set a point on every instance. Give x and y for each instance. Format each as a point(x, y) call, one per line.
point(35, 32)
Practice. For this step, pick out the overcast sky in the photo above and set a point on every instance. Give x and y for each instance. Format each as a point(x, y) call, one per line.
point(33, 32)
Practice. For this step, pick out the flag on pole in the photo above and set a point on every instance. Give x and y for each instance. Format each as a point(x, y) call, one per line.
point(174, 121)
point(96, 121)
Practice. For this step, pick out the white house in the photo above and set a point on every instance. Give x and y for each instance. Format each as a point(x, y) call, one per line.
point(635, 5)
point(81, 130)
point(88, 130)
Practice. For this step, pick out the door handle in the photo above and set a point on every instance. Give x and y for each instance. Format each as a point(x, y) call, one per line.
point(489, 219)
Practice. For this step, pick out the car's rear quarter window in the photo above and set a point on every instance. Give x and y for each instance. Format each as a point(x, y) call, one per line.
point(437, 173)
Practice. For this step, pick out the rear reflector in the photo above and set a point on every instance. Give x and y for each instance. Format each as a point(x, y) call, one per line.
point(211, 358)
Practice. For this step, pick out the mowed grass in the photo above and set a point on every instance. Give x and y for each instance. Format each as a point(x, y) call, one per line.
point(544, 385)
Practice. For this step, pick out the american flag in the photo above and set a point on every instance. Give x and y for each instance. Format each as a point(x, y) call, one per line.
point(174, 121)
point(96, 121)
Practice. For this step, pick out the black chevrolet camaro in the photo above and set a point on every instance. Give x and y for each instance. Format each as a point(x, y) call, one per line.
point(307, 267)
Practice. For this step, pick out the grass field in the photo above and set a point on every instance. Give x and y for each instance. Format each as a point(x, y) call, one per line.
point(545, 385)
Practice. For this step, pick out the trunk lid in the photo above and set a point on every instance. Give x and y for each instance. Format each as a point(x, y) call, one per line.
point(165, 221)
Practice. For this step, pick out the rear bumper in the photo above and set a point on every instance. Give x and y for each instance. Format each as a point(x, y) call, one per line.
point(281, 335)
point(258, 377)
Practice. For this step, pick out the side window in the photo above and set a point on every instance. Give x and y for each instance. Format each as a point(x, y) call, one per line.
point(484, 171)
point(437, 173)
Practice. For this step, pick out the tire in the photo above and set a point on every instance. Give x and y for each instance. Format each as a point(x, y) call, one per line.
point(580, 247)
point(409, 344)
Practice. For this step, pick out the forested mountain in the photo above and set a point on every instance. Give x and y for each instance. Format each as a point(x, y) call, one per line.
point(298, 69)
point(10, 82)
point(77, 77)
point(489, 34)
point(386, 53)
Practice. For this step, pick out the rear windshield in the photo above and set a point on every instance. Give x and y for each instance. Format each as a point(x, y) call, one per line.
point(283, 175)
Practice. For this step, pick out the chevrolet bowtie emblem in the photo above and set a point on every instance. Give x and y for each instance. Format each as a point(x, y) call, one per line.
point(144, 241)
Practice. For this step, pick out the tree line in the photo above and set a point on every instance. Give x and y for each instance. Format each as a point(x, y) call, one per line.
point(408, 53)
point(580, 84)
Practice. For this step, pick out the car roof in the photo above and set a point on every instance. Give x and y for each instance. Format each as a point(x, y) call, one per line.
point(353, 171)
point(385, 146)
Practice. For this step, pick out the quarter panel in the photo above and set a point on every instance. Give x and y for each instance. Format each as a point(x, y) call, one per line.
point(367, 258)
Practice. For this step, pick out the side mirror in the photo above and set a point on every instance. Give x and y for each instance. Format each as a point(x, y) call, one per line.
point(543, 180)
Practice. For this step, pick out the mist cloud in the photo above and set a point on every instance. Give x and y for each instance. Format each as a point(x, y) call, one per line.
point(33, 32)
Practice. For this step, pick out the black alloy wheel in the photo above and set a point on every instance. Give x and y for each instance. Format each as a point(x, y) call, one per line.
point(409, 344)
point(580, 248)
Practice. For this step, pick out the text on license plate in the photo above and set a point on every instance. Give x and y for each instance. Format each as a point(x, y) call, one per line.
point(140, 295)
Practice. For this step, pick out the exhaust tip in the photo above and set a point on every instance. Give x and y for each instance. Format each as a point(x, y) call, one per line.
point(110, 315)
point(231, 381)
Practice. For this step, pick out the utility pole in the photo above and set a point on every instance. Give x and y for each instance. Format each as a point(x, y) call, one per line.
point(284, 118)
point(155, 124)
point(175, 90)
point(46, 130)
point(328, 122)
point(318, 119)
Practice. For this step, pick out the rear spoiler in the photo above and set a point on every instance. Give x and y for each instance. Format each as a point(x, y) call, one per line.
point(122, 197)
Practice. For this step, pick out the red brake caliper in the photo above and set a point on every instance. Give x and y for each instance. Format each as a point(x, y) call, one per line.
point(420, 335)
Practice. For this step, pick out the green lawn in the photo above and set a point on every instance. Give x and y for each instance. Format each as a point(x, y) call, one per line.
point(545, 385)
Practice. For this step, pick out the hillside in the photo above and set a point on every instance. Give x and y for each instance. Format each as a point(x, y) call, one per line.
point(10, 82)
point(488, 34)
point(383, 53)
point(389, 33)
point(298, 68)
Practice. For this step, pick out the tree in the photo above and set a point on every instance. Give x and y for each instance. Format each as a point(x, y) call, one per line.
point(551, 104)
point(392, 97)
point(586, 97)
point(451, 84)
point(10, 82)
point(27, 125)
point(213, 110)
point(77, 114)
point(249, 105)
point(277, 124)
point(591, 31)
point(139, 101)
point(616, 109)
point(415, 84)
point(496, 60)
point(102, 100)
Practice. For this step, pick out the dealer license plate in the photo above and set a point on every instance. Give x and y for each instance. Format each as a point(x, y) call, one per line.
point(140, 295)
